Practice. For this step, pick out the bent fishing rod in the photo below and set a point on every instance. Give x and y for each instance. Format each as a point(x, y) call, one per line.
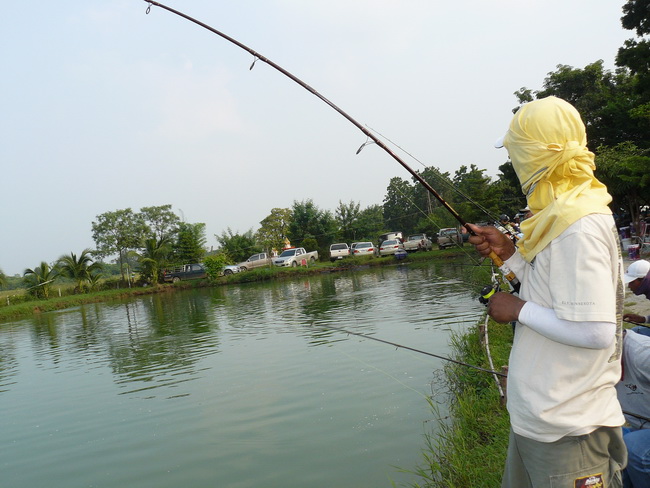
point(510, 276)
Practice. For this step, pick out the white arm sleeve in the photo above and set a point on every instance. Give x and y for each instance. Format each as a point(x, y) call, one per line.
point(591, 335)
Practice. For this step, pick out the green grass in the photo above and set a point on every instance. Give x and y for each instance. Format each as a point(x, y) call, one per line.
point(468, 448)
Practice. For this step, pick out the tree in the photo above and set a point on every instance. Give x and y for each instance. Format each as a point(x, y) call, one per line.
point(346, 218)
point(238, 246)
point(118, 232)
point(153, 258)
point(478, 197)
point(214, 265)
point(370, 223)
point(190, 243)
point(309, 221)
point(78, 269)
point(508, 187)
point(399, 211)
point(635, 56)
point(3, 279)
point(273, 229)
point(625, 170)
point(161, 220)
point(602, 98)
point(38, 280)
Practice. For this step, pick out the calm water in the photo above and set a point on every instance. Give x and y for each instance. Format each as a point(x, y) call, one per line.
point(235, 386)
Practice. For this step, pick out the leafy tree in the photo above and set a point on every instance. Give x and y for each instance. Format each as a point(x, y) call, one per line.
point(310, 221)
point(118, 232)
point(601, 97)
point(214, 265)
point(346, 218)
point(478, 196)
point(625, 169)
point(161, 220)
point(441, 182)
point(38, 280)
point(273, 229)
point(399, 211)
point(370, 223)
point(78, 269)
point(3, 279)
point(635, 56)
point(190, 243)
point(238, 246)
point(508, 187)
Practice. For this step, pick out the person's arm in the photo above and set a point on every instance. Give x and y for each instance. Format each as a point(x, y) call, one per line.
point(544, 321)
point(639, 319)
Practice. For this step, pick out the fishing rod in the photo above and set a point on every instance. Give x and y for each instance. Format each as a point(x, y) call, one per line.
point(507, 272)
point(400, 346)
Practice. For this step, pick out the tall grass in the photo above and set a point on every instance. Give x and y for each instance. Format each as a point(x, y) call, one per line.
point(468, 448)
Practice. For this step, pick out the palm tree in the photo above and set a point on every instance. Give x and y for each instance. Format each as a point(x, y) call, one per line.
point(38, 280)
point(78, 269)
point(93, 281)
point(153, 258)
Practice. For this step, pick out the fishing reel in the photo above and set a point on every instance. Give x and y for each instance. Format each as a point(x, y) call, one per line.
point(487, 292)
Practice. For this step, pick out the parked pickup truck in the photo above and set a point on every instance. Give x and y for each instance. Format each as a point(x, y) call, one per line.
point(339, 251)
point(417, 242)
point(449, 237)
point(185, 272)
point(255, 261)
point(295, 257)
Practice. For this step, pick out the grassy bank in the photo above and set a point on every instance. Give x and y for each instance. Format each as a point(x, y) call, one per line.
point(468, 448)
point(25, 308)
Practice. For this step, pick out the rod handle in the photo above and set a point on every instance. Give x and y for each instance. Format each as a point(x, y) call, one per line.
point(507, 272)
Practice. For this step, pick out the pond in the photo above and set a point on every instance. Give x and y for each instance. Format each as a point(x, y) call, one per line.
point(236, 386)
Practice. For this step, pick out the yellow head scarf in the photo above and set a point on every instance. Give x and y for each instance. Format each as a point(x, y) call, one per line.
point(548, 148)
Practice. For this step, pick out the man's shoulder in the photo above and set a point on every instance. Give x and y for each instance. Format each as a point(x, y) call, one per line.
point(600, 226)
point(592, 223)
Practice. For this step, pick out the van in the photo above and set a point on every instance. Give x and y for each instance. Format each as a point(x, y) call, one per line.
point(391, 235)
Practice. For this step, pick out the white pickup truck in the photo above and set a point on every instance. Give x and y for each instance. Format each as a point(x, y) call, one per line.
point(295, 256)
point(418, 242)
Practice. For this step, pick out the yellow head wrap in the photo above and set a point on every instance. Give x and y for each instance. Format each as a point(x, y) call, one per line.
point(547, 144)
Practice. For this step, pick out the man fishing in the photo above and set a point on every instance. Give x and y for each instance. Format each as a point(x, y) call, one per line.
point(565, 359)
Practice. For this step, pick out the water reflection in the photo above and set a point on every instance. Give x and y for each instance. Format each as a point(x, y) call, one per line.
point(222, 379)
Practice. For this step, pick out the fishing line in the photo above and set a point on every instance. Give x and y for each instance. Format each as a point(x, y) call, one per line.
point(507, 272)
point(443, 179)
point(386, 373)
point(472, 256)
point(400, 346)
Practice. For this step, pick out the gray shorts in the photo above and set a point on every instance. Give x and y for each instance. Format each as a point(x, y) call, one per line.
point(594, 460)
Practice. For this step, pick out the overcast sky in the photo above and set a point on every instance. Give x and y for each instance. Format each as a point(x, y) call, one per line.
point(103, 107)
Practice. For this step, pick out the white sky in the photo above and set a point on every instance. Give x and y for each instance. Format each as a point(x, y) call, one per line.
point(103, 107)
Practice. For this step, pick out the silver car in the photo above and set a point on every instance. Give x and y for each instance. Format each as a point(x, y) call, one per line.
point(390, 247)
point(364, 249)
